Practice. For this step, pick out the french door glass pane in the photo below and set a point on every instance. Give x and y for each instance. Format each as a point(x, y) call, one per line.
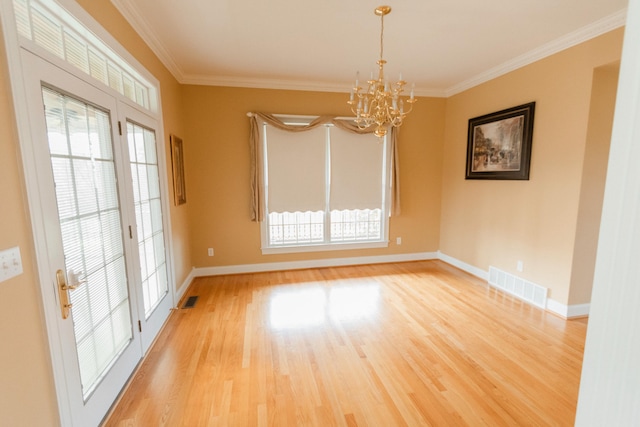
point(80, 145)
point(146, 195)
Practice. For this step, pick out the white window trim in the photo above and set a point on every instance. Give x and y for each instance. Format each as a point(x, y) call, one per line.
point(324, 246)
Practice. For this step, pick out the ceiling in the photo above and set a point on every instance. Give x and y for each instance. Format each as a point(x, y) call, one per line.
point(443, 46)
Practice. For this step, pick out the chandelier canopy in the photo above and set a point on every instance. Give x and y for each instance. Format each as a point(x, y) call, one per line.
point(381, 103)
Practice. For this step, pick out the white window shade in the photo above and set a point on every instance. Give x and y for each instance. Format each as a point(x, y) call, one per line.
point(296, 171)
point(356, 171)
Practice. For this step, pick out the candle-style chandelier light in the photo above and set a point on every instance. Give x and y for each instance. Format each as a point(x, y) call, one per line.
point(380, 103)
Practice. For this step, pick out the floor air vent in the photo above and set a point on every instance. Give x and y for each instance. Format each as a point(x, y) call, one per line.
point(190, 302)
point(523, 289)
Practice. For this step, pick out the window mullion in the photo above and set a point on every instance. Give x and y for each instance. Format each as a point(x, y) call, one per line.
point(327, 172)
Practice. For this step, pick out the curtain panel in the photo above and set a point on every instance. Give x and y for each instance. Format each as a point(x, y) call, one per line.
point(257, 157)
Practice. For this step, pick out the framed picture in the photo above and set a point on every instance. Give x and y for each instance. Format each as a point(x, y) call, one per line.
point(499, 144)
point(177, 165)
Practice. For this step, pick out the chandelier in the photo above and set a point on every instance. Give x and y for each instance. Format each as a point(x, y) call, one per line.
point(380, 103)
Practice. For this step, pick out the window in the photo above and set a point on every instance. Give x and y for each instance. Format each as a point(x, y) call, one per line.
point(325, 189)
point(50, 27)
point(148, 206)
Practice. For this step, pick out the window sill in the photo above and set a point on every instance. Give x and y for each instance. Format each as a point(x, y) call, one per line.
point(324, 247)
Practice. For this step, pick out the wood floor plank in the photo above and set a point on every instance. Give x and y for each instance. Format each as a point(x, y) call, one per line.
point(418, 343)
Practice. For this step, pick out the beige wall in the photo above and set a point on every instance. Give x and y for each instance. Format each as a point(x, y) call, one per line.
point(25, 368)
point(26, 381)
point(217, 172)
point(594, 173)
point(500, 222)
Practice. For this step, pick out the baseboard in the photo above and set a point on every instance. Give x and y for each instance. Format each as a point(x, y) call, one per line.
point(578, 310)
point(478, 272)
point(568, 311)
point(316, 263)
point(562, 310)
point(184, 286)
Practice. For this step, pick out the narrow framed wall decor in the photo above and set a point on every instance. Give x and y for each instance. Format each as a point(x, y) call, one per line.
point(499, 144)
point(177, 166)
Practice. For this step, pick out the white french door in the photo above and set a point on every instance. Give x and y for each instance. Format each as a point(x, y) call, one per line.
point(98, 179)
point(148, 237)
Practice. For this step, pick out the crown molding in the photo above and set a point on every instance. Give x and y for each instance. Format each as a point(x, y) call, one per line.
point(581, 35)
point(301, 85)
point(257, 83)
point(134, 16)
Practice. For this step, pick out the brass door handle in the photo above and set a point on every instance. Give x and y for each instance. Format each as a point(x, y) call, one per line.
point(64, 288)
point(65, 305)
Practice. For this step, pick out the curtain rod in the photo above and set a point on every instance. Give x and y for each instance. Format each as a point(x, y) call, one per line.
point(250, 114)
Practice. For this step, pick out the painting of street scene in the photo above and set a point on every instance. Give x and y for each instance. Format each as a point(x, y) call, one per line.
point(497, 146)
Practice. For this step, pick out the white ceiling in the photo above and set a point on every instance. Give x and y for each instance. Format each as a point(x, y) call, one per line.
point(443, 46)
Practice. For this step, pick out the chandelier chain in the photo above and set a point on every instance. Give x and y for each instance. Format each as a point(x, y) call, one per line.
point(381, 37)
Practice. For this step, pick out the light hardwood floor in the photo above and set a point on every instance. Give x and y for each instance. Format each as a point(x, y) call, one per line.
point(417, 343)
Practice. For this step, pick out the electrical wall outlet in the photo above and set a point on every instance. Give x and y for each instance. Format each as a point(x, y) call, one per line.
point(10, 263)
point(210, 251)
point(520, 266)
point(398, 240)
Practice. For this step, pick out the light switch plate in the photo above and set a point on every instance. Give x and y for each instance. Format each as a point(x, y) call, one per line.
point(10, 263)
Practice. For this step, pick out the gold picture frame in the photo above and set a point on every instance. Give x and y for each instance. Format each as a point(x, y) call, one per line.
point(177, 166)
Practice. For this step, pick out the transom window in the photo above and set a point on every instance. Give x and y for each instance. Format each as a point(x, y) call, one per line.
point(50, 27)
point(325, 189)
